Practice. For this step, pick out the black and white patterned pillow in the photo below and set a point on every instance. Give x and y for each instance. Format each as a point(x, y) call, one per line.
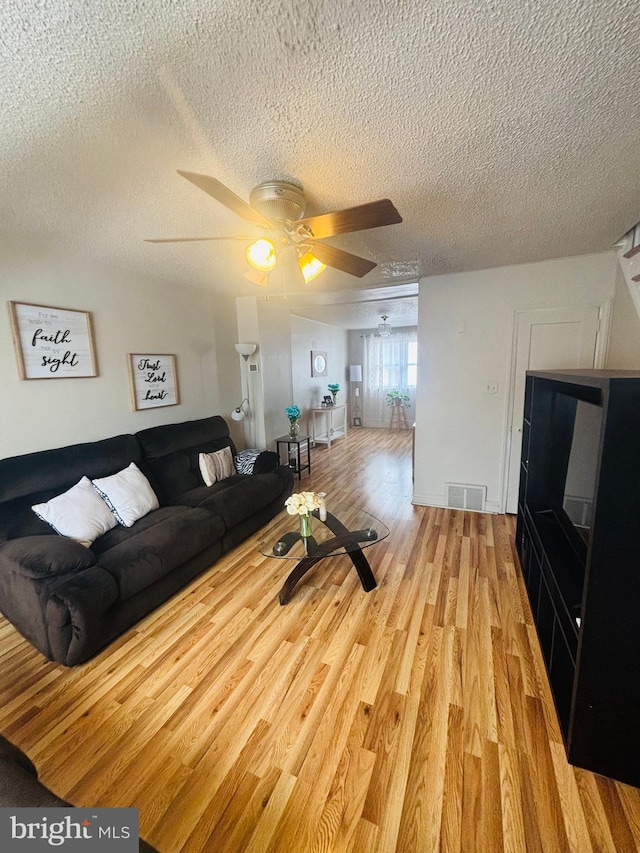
point(245, 460)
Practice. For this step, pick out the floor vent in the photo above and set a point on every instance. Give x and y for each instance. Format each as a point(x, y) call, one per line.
point(460, 496)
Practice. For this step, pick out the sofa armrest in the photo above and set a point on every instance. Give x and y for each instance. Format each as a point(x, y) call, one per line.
point(48, 595)
point(73, 613)
point(45, 556)
point(267, 461)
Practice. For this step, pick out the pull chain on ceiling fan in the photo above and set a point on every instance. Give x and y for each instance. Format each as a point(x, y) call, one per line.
point(277, 207)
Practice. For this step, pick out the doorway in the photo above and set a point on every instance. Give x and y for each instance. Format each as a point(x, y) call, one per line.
point(545, 339)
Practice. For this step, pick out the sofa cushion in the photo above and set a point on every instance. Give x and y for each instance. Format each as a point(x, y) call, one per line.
point(79, 513)
point(197, 496)
point(127, 494)
point(216, 466)
point(122, 534)
point(157, 544)
point(244, 496)
point(40, 556)
point(172, 452)
point(246, 460)
point(37, 477)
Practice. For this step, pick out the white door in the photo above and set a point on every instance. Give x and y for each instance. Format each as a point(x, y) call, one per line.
point(547, 339)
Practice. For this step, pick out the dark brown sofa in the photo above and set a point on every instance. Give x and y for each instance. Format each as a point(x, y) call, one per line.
point(21, 788)
point(70, 601)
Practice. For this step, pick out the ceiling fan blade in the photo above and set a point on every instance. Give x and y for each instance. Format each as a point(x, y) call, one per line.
point(225, 196)
point(194, 239)
point(371, 215)
point(341, 260)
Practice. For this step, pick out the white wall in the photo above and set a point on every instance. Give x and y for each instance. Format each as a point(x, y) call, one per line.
point(624, 337)
point(284, 365)
point(129, 314)
point(465, 334)
point(308, 391)
point(267, 324)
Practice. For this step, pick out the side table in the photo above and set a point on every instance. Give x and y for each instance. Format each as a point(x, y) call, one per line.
point(297, 453)
point(332, 424)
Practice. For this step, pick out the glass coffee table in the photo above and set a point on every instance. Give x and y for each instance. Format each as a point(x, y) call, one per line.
point(346, 530)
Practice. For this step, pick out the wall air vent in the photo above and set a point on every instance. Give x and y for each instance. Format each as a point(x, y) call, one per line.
point(464, 496)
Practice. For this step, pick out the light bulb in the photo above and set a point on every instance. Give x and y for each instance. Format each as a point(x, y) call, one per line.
point(310, 267)
point(262, 255)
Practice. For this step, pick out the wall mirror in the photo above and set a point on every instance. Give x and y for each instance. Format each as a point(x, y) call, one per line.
point(318, 363)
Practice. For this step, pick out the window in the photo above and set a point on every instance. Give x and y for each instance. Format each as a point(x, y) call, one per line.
point(396, 363)
point(412, 364)
point(388, 364)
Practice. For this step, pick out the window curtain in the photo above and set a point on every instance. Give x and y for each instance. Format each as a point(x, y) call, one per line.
point(385, 367)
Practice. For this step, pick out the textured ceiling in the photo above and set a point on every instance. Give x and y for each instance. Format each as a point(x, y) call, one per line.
point(358, 309)
point(504, 132)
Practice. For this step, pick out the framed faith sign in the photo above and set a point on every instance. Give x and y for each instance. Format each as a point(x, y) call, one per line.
point(52, 343)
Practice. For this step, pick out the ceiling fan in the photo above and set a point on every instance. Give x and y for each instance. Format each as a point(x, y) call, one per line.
point(278, 208)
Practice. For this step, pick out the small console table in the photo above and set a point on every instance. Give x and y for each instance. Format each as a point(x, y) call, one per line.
point(298, 453)
point(328, 424)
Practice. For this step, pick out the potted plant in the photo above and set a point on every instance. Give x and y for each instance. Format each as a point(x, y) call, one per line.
point(293, 413)
point(397, 398)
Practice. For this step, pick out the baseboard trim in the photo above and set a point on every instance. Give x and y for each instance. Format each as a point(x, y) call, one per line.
point(428, 500)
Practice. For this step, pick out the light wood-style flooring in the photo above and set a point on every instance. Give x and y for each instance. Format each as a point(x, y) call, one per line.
point(416, 718)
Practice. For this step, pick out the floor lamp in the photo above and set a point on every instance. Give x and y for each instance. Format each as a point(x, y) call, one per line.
point(238, 414)
point(355, 375)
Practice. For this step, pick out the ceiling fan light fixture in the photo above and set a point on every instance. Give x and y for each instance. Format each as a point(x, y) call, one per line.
point(310, 266)
point(278, 207)
point(262, 255)
point(279, 201)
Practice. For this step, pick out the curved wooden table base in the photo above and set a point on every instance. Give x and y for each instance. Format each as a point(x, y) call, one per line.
point(343, 538)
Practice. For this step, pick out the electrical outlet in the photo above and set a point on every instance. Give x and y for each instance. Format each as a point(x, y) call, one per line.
point(490, 388)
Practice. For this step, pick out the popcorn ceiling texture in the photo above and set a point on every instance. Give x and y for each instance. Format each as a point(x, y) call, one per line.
point(504, 132)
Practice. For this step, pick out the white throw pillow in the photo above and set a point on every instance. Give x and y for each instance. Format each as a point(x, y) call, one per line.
point(79, 513)
point(128, 494)
point(216, 466)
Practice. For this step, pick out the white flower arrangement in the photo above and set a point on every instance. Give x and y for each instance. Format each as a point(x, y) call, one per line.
point(302, 503)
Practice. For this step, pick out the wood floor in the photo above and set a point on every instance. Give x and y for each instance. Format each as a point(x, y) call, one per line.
point(415, 718)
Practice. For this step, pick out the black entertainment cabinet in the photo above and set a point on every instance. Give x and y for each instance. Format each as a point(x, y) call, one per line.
point(580, 558)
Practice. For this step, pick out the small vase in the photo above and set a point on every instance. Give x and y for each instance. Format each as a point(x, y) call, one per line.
point(305, 526)
point(334, 395)
point(294, 429)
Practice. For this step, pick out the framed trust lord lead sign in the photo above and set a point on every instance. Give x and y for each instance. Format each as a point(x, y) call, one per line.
point(52, 343)
point(154, 380)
